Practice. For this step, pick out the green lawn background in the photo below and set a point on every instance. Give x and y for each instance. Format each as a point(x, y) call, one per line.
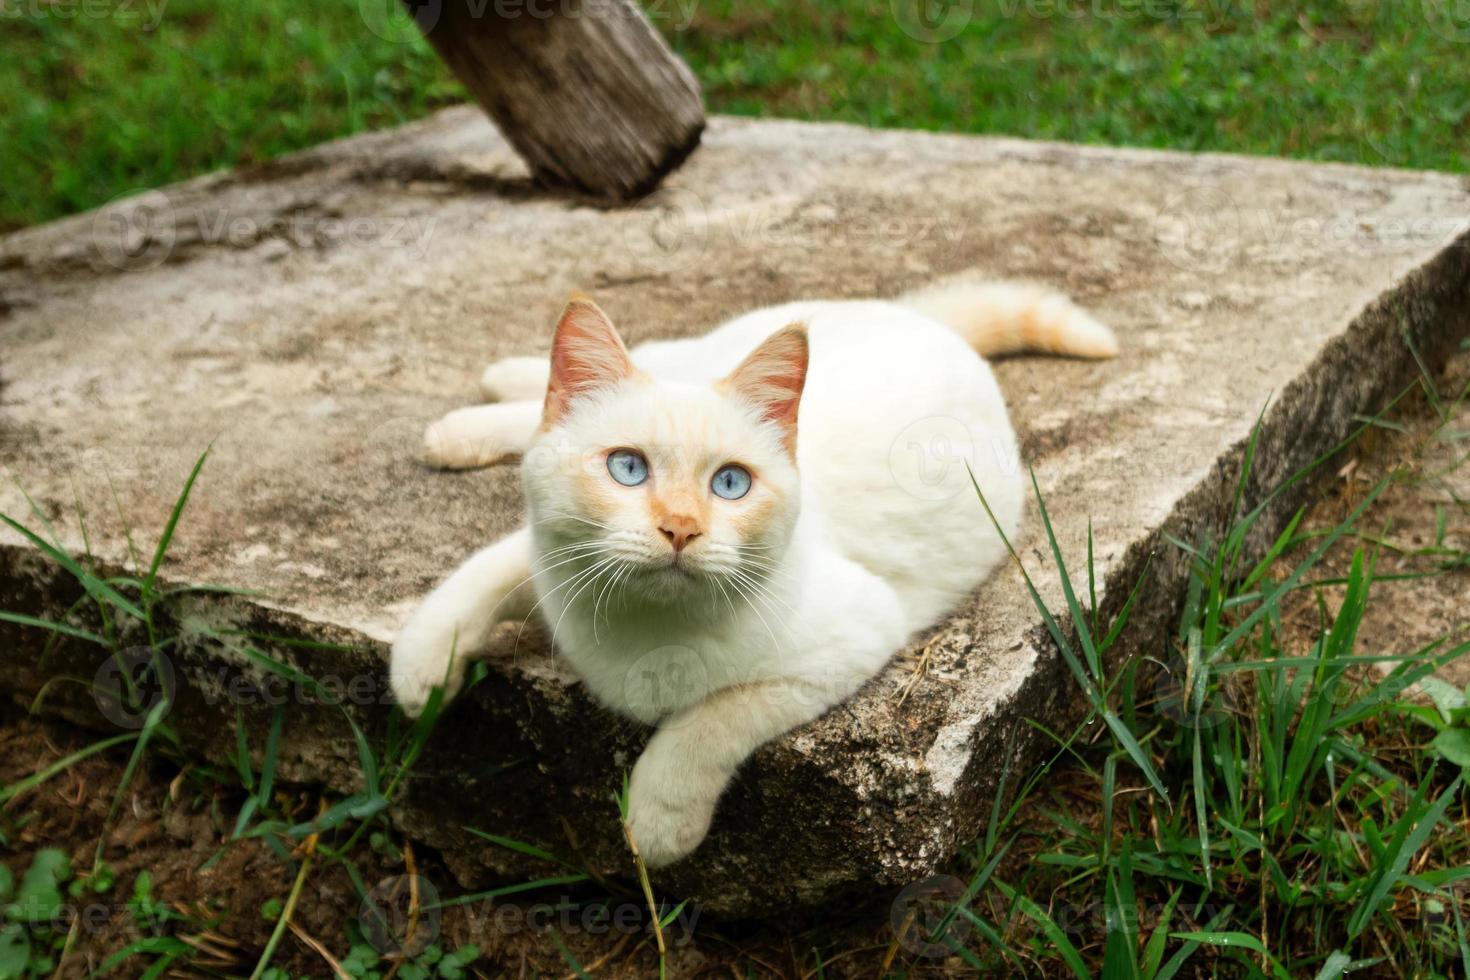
point(104, 97)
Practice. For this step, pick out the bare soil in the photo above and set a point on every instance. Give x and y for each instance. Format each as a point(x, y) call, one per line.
point(1417, 533)
point(175, 821)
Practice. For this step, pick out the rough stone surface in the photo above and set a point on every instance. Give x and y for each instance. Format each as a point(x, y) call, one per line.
point(310, 316)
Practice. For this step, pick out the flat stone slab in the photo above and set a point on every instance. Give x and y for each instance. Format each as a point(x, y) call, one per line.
point(307, 318)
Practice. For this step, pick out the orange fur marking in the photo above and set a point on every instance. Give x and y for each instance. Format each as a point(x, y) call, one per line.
point(772, 378)
point(586, 354)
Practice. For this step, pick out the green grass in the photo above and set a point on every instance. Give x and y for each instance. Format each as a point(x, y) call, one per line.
point(96, 107)
point(1362, 82)
point(100, 106)
point(1275, 814)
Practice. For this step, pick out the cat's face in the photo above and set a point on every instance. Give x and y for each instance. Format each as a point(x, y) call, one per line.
point(681, 488)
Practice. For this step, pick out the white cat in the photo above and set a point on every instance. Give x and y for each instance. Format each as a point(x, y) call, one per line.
point(711, 567)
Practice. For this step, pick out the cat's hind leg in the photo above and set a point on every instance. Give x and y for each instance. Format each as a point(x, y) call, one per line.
point(514, 379)
point(481, 435)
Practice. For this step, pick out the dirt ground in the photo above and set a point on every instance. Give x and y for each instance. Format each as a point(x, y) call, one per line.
point(174, 823)
point(1417, 532)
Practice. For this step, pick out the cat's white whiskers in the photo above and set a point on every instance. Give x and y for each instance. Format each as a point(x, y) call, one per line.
point(764, 589)
point(725, 592)
point(569, 580)
point(562, 515)
point(767, 566)
point(766, 602)
point(576, 546)
point(552, 591)
point(567, 560)
point(734, 584)
point(619, 571)
point(616, 592)
point(598, 570)
point(769, 570)
point(765, 597)
point(530, 578)
point(623, 589)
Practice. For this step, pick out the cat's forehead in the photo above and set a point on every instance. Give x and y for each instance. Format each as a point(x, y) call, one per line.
point(674, 418)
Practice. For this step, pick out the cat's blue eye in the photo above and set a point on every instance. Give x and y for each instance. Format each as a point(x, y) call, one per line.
point(731, 482)
point(627, 467)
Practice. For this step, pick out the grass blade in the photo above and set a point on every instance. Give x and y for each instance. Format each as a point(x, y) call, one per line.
point(530, 850)
point(168, 529)
point(566, 954)
point(1405, 844)
point(60, 766)
point(1074, 609)
point(1336, 963)
point(45, 624)
point(1053, 932)
point(95, 587)
point(524, 886)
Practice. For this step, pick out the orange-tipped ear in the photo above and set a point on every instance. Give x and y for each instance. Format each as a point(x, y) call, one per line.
point(586, 354)
point(772, 376)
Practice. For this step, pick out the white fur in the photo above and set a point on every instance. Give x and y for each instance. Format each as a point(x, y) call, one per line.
point(481, 434)
point(514, 379)
point(766, 624)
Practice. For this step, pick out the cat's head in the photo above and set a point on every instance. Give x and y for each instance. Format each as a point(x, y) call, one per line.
point(685, 486)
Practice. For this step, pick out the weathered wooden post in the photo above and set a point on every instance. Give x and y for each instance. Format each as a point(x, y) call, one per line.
point(585, 90)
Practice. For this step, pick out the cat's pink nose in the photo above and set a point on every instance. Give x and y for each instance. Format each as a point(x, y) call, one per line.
point(679, 534)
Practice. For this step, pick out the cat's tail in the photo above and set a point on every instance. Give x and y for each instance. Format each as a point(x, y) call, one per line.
point(1007, 318)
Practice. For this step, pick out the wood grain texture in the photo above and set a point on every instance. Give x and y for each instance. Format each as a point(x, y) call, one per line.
point(586, 91)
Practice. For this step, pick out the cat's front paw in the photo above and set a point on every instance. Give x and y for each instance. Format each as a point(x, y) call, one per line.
point(422, 660)
point(666, 824)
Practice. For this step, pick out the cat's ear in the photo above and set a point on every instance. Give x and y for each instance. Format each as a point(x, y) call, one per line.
point(772, 376)
point(586, 354)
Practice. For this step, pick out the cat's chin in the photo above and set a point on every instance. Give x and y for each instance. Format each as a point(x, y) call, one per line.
point(673, 581)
